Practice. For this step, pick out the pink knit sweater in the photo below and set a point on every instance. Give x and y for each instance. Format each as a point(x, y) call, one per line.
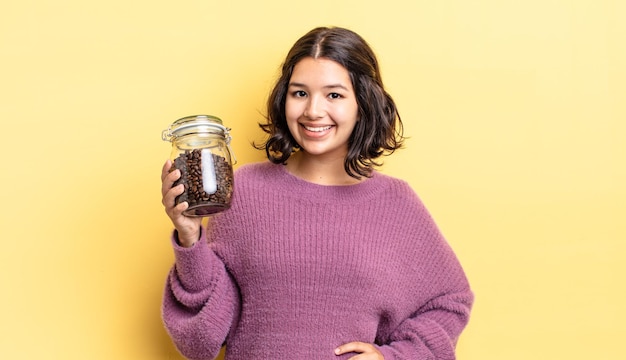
point(295, 269)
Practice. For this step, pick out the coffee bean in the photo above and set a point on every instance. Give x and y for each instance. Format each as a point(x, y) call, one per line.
point(200, 203)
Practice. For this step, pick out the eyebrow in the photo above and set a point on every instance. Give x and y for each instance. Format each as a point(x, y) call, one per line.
point(330, 86)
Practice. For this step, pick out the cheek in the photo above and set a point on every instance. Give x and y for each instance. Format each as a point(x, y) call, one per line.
point(292, 111)
point(348, 115)
point(292, 116)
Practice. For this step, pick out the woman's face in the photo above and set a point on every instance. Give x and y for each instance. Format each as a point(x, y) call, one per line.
point(321, 107)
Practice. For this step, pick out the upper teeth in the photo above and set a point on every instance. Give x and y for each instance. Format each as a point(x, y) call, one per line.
point(317, 129)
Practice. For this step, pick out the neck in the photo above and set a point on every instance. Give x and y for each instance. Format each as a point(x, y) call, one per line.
point(321, 171)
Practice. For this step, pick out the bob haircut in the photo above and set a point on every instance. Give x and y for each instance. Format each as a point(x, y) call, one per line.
point(379, 129)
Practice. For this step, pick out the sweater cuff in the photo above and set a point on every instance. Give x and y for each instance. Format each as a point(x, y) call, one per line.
point(194, 264)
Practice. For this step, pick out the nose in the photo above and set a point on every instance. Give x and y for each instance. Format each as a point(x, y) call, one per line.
point(314, 108)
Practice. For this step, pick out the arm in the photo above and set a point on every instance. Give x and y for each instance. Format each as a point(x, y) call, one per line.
point(433, 331)
point(431, 334)
point(435, 294)
point(426, 296)
point(437, 306)
point(200, 302)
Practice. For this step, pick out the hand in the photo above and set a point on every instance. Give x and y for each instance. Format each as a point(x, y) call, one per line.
point(366, 351)
point(188, 227)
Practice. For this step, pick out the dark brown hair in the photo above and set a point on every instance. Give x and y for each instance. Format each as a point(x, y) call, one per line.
point(379, 130)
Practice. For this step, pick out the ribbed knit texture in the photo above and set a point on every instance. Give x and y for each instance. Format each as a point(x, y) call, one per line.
point(295, 269)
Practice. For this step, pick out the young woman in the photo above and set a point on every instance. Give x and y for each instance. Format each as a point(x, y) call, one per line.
point(320, 256)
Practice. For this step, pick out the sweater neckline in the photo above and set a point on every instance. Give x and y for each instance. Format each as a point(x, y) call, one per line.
point(303, 189)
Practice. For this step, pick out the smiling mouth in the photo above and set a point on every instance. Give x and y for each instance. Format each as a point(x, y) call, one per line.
point(317, 129)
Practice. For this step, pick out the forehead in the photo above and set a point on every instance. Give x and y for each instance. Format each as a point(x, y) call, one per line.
point(315, 70)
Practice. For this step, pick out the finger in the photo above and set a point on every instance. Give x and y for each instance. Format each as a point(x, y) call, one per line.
point(166, 169)
point(177, 211)
point(169, 180)
point(169, 197)
point(176, 215)
point(366, 351)
point(355, 346)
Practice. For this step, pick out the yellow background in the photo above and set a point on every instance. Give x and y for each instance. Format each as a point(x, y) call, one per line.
point(516, 116)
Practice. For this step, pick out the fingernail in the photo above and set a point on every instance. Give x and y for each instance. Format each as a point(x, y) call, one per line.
point(337, 351)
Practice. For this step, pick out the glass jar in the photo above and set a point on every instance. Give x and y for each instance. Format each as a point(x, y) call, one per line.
point(201, 151)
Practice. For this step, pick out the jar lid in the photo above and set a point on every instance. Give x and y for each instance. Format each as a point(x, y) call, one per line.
point(194, 124)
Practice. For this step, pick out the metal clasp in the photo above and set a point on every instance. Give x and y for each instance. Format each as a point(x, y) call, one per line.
point(227, 137)
point(166, 135)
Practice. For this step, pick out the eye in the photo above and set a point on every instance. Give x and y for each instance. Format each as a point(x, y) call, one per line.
point(334, 96)
point(299, 93)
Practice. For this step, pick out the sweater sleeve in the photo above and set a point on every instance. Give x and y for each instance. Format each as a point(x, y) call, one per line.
point(432, 328)
point(200, 301)
point(438, 298)
point(432, 332)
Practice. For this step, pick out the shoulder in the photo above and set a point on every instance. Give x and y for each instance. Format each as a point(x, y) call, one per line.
point(252, 177)
point(393, 183)
point(402, 200)
point(255, 171)
point(397, 188)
